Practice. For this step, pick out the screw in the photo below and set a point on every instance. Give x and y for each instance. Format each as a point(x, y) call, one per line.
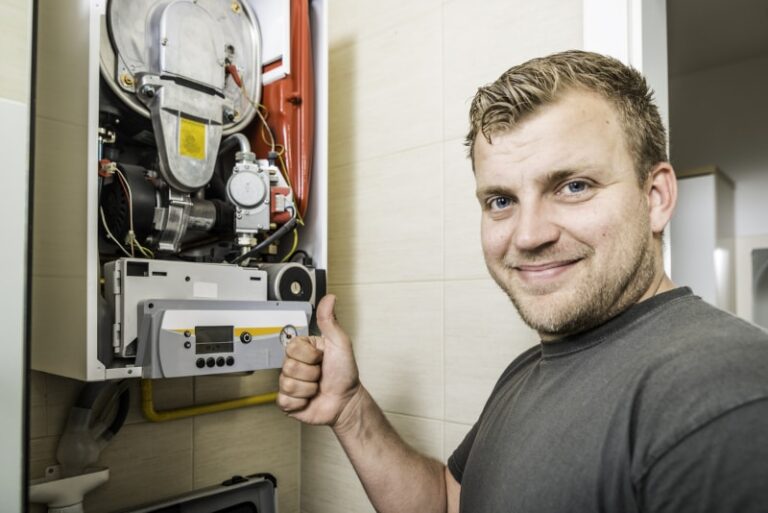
point(147, 91)
point(126, 79)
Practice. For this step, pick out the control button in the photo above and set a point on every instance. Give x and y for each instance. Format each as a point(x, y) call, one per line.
point(210, 362)
point(200, 363)
point(187, 344)
point(187, 333)
point(220, 361)
point(245, 337)
point(230, 361)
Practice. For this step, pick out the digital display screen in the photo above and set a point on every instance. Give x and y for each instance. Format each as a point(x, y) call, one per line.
point(213, 339)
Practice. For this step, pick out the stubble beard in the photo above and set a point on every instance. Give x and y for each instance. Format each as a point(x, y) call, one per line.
point(599, 296)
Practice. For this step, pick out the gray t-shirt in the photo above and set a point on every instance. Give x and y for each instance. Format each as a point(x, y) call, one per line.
point(664, 408)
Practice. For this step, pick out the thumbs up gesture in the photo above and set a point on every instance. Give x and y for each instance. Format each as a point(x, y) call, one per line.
point(319, 375)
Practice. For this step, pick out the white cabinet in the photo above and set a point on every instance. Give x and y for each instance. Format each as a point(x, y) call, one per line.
point(702, 234)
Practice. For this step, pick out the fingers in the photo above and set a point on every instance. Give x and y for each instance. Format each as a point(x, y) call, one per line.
point(296, 388)
point(291, 404)
point(304, 350)
point(301, 371)
point(300, 374)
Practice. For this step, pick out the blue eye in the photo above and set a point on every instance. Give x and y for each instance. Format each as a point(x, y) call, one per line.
point(499, 202)
point(576, 187)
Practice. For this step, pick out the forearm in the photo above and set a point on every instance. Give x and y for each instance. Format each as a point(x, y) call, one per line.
point(396, 478)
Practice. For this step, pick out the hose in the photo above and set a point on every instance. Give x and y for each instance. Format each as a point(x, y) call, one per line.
point(226, 144)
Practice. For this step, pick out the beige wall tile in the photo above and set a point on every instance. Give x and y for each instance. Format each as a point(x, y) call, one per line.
point(249, 441)
point(147, 462)
point(463, 251)
point(396, 330)
point(209, 389)
point(385, 218)
point(328, 481)
point(502, 33)
point(453, 435)
point(385, 92)
point(330, 484)
point(61, 394)
point(424, 435)
point(14, 49)
point(166, 394)
point(483, 334)
point(42, 454)
point(352, 20)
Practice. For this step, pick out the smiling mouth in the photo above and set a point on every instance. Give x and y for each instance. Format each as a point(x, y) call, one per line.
point(545, 271)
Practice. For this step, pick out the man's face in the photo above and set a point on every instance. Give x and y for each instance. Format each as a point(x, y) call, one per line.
point(565, 224)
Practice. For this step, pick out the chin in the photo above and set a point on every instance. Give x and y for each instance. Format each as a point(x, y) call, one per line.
point(550, 312)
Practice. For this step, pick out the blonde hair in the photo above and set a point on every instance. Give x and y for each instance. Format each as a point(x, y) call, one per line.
point(500, 106)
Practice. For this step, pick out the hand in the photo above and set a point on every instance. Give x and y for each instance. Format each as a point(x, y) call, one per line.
point(319, 376)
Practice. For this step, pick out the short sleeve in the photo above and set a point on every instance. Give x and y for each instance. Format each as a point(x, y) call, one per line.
point(721, 467)
point(458, 459)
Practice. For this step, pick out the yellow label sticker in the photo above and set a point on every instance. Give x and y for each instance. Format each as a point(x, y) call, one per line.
point(192, 139)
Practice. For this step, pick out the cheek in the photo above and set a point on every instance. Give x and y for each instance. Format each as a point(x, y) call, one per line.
point(495, 238)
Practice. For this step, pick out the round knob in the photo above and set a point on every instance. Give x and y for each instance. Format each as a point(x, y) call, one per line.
point(200, 363)
point(245, 337)
point(210, 362)
point(220, 361)
point(230, 361)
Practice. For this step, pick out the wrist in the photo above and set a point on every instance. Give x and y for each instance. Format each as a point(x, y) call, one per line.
point(349, 416)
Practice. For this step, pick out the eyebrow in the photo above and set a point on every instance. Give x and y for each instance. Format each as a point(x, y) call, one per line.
point(558, 176)
point(494, 190)
point(548, 180)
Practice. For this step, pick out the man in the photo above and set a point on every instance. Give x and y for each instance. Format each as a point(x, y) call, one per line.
point(640, 396)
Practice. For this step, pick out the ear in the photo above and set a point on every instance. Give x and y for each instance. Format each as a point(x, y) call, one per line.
point(661, 188)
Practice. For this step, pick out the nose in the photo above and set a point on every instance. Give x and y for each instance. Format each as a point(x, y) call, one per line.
point(534, 229)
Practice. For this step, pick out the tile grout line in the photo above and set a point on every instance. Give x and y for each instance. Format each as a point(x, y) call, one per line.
point(395, 153)
point(443, 181)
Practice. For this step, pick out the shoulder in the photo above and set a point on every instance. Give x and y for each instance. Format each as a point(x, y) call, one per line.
point(700, 364)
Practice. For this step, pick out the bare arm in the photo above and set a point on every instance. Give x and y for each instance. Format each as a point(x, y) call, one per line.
point(320, 385)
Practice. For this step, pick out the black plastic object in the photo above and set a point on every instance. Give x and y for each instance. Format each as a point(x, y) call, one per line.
point(255, 493)
point(115, 203)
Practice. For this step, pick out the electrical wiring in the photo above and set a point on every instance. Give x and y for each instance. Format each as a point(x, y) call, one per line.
point(296, 217)
point(299, 220)
point(232, 70)
point(293, 247)
point(301, 252)
point(131, 233)
point(109, 233)
point(269, 240)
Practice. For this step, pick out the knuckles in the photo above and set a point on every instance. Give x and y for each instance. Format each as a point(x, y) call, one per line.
point(302, 349)
point(289, 404)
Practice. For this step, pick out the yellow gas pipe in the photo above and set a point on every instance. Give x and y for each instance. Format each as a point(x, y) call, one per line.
point(148, 406)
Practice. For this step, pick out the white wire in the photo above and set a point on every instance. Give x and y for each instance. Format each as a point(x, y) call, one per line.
point(131, 236)
point(104, 223)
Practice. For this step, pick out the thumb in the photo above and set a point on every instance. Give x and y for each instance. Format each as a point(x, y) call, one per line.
point(326, 319)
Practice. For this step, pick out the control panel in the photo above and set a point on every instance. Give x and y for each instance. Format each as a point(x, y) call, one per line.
point(199, 337)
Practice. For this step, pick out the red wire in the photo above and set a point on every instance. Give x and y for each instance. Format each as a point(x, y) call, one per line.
point(232, 70)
